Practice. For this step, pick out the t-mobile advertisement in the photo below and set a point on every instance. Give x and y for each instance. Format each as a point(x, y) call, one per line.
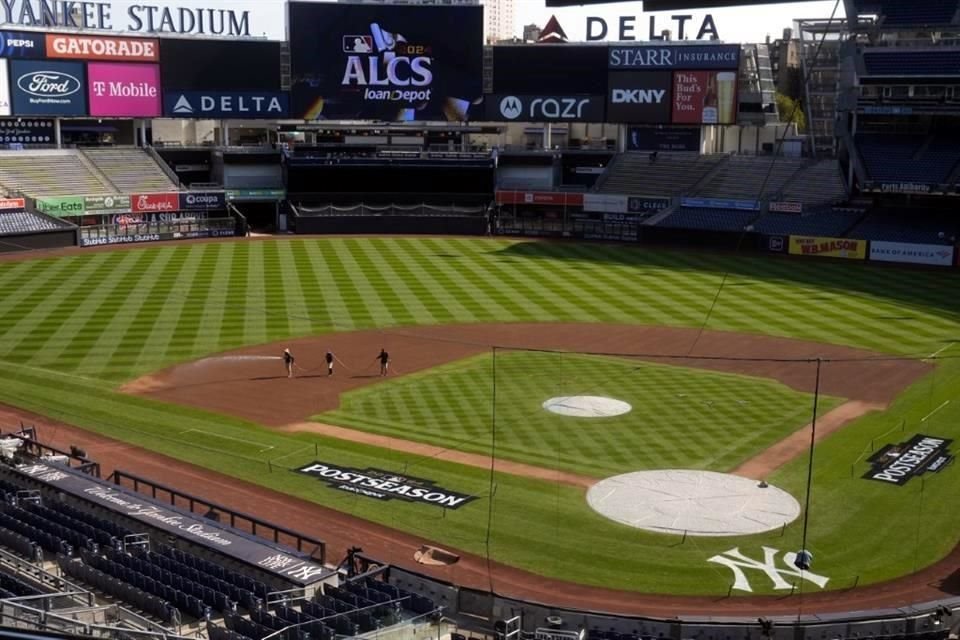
point(124, 90)
point(704, 97)
point(385, 62)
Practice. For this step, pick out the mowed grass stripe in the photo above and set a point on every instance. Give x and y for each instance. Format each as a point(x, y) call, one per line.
point(414, 309)
point(360, 291)
point(210, 321)
point(300, 316)
point(319, 257)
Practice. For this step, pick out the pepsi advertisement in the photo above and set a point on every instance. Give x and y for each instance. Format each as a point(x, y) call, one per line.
point(386, 62)
point(47, 88)
point(20, 44)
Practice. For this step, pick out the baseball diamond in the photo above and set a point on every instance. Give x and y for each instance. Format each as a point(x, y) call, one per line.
point(175, 352)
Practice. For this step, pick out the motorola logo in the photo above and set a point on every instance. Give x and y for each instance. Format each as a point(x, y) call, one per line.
point(511, 107)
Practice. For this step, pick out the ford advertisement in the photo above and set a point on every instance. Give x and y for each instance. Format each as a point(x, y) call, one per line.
point(124, 90)
point(46, 88)
point(385, 62)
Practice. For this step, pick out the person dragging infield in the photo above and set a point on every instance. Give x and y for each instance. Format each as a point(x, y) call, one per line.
point(288, 361)
point(384, 359)
point(329, 357)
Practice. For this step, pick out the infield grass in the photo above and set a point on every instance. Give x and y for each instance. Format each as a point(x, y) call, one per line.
point(73, 328)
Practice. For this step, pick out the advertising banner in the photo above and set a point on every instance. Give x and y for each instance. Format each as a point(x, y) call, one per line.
point(694, 56)
point(21, 44)
point(555, 108)
point(547, 198)
point(48, 88)
point(386, 485)
point(81, 47)
point(896, 464)
point(929, 254)
point(254, 195)
point(663, 139)
point(542, 70)
point(704, 97)
point(905, 187)
point(637, 204)
point(156, 237)
point(95, 205)
point(225, 66)
point(11, 204)
point(203, 201)
point(385, 62)
point(26, 131)
point(720, 203)
point(233, 105)
point(62, 207)
point(604, 203)
point(154, 202)
point(785, 207)
point(828, 247)
point(124, 90)
point(639, 97)
point(6, 108)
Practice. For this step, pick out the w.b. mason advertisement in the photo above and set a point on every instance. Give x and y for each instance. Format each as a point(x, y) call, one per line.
point(385, 62)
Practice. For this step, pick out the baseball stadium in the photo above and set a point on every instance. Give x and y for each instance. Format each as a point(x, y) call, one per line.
point(330, 320)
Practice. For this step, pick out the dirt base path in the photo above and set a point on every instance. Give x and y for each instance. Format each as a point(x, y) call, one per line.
point(341, 531)
point(233, 384)
point(442, 453)
point(798, 442)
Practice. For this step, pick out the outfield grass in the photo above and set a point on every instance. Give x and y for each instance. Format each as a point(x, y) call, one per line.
point(681, 418)
point(72, 328)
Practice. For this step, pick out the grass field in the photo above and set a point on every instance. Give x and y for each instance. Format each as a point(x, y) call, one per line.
point(681, 417)
point(73, 328)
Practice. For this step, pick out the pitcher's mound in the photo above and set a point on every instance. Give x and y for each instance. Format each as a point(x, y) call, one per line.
point(587, 406)
point(698, 503)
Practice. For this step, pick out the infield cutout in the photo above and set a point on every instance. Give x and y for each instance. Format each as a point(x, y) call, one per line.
point(696, 503)
point(587, 406)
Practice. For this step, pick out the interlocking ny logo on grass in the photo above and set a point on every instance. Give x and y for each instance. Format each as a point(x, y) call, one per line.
point(384, 485)
point(897, 463)
point(739, 564)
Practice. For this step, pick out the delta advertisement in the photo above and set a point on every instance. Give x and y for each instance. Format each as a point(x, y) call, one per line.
point(48, 88)
point(385, 62)
point(828, 247)
point(124, 90)
point(704, 97)
point(929, 254)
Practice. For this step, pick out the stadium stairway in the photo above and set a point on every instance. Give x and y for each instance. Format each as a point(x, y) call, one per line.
point(131, 169)
point(61, 172)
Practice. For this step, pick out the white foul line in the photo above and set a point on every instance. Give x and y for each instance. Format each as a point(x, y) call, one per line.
point(939, 351)
point(945, 403)
point(217, 435)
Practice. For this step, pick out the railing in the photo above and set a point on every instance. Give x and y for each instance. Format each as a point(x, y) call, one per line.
point(170, 173)
point(155, 231)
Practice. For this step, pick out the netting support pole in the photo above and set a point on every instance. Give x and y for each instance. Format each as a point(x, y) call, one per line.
point(806, 506)
point(493, 456)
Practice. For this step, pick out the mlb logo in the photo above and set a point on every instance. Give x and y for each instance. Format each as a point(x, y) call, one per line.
point(357, 44)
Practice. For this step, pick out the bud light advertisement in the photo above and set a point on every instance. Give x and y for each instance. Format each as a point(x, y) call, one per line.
point(45, 88)
point(386, 62)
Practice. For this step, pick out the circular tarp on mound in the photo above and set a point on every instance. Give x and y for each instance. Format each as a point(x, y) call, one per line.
point(700, 503)
point(587, 406)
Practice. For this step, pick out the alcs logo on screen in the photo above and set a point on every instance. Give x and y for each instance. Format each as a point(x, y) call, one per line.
point(638, 96)
point(52, 86)
point(387, 66)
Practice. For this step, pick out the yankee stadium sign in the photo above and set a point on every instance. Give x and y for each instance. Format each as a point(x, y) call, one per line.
point(897, 463)
point(384, 485)
point(187, 17)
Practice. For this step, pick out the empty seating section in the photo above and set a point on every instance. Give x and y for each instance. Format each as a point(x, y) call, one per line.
point(893, 158)
point(708, 219)
point(900, 13)
point(15, 222)
point(672, 174)
point(117, 588)
point(12, 587)
point(913, 225)
point(131, 170)
point(827, 223)
point(820, 183)
point(743, 177)
point(49, 173)
point(899, 63)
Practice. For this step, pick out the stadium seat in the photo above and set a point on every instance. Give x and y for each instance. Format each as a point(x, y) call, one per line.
point(130, 169)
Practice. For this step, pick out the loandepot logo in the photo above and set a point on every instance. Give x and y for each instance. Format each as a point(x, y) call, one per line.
point(387, 67)
point(183, 106)
point(511, 108)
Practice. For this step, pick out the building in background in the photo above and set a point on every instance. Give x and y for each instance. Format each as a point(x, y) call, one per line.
point(499, 16)
point(785, 63)
point(531, 33)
